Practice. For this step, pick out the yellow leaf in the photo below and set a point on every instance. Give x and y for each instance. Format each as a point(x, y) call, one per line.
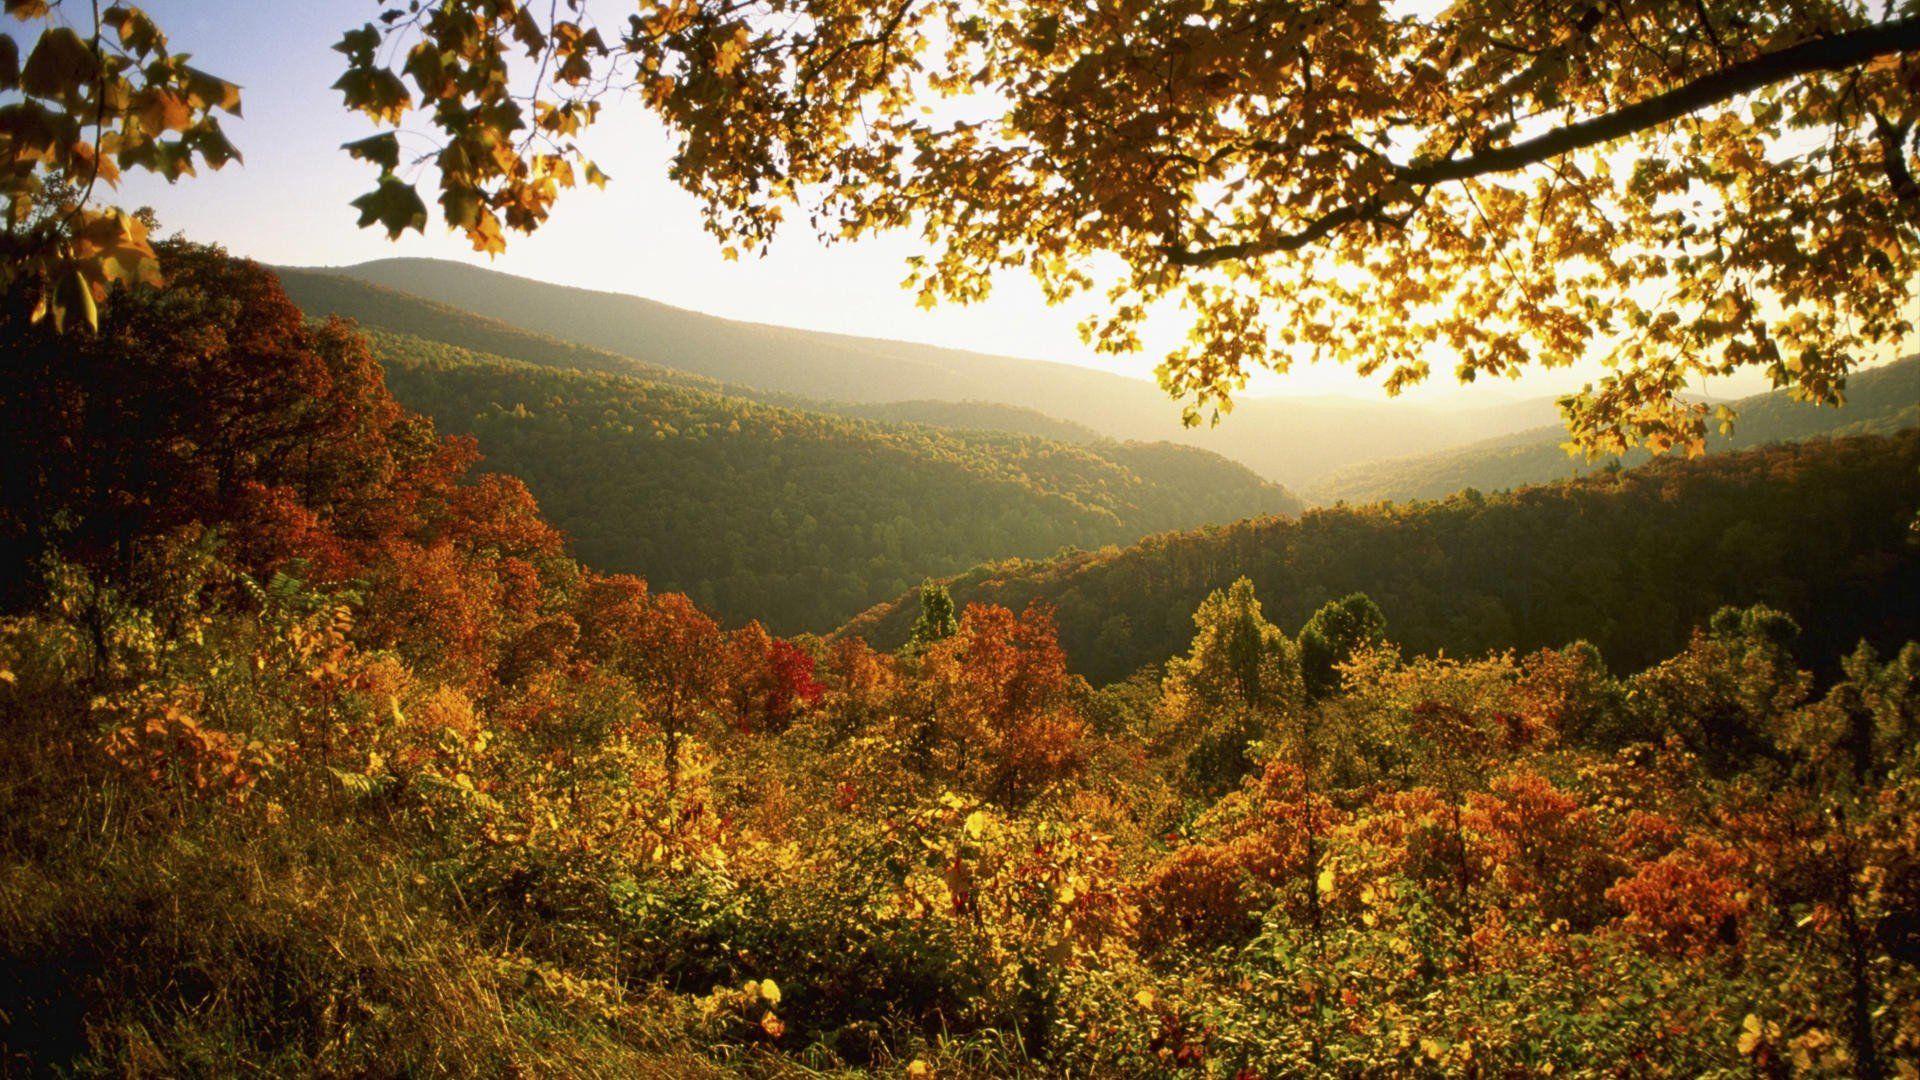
point(1144, 999)
point(1750, 1034)
point(1326, 880)
point(976, 823)
point(770, 990)
point(919, 1070)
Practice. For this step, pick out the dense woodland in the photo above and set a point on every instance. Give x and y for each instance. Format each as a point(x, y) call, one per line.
point(321, 754)
point(1294, 441)
point(1879, 401)
point(801, 519)
point(325, 750)
point(975, 416)
point(1628, 559)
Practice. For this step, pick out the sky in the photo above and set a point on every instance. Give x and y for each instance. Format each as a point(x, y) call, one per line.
point(288, 204)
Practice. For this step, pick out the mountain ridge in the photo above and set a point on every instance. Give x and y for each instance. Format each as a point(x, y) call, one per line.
point(824, 513)
point(1880, 400)
point(1287, 440)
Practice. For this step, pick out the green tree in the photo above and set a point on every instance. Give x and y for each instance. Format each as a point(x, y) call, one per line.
point(1336, 632)
point(937, 621)
point(1237, 658)
point(1240, 672)
point(1726, 694)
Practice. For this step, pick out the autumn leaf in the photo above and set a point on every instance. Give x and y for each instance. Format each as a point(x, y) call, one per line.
point(382, 150)
point(60, 66)
point(394, 205)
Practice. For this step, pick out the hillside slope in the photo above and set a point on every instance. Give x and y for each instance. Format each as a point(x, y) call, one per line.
point(1880, 401)
point(1291, 440)
point(972, 416)
point(1821, 529)
point(799, 519)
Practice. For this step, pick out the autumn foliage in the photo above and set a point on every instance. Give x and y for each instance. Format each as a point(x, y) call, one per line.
point(322, 754)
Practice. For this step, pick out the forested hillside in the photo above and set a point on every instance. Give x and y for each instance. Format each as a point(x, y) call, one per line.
point(321, 294)
point(974, 415)
point(1290, 440)
point(798, 519)
point(320, 756)
point(1628, 560)
point(1880, 401)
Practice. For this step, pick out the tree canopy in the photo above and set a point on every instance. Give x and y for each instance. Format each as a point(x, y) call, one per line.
point(1336, 632)
point(1680, 188)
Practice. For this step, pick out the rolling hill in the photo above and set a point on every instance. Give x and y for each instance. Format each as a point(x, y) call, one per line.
point(1630, 560)
point(321, 294)
point(1880, 400)
point(1290, 440)
point(797, 518)
point(972, 416)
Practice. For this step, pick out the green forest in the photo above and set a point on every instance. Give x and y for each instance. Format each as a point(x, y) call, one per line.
point(524, 656)
point(1629, 559)
point(1295, 441)
point(799, 519)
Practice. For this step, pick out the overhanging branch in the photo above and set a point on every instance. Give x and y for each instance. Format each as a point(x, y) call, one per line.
point(1837, 52)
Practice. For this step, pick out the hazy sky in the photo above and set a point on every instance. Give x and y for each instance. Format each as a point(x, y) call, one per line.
point(289, 204)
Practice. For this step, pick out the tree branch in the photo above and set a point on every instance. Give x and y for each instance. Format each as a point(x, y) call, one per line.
point(1893, 157)
point(1837, 52)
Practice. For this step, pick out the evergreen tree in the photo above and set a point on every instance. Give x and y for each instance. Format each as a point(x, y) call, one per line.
point(937, 621)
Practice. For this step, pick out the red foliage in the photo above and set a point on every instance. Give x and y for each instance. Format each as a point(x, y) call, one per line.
point(1688, 901)
point(434, 602)
point(273, 530)
point(497, 514)
point(1211, 894)
point(1540, 846)
point(1001, 698)
point(861, 681)
point(790, 671)
point(772, 680)
point(669, 650)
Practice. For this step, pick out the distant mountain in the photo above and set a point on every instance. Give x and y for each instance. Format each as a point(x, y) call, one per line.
point(1821, 529)
point(1292, 440)
point(799, 519)
point(1880, 401)
point(321, 293)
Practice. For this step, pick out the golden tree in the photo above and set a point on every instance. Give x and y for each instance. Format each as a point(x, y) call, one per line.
point(1678, 187)
point(89, 100)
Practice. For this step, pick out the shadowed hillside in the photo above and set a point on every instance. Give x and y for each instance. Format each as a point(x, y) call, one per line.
point(973, 415)
point(799, 519)
point(1820, 529)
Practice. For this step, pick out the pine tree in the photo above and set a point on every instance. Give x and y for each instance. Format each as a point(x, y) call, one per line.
point(937, 621)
